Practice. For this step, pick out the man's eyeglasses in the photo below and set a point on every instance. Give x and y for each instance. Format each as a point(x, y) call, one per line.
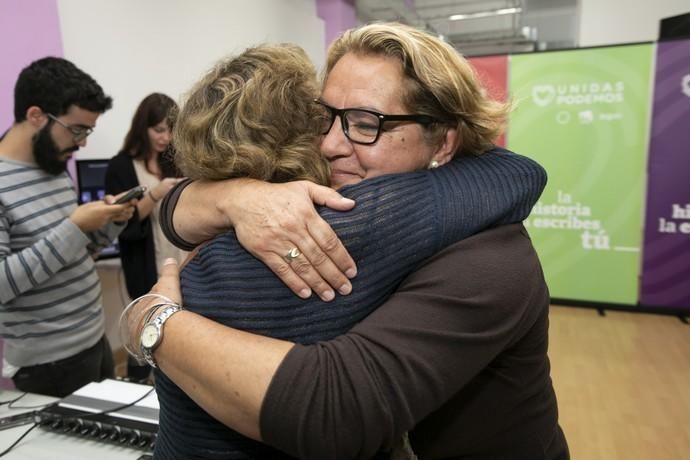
point(79, 133)
point(363, 126)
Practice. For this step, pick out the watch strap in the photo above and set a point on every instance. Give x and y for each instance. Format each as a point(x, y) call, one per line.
point(158, 320)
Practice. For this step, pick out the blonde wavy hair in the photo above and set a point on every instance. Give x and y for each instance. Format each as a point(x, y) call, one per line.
point(439, 81)
point(253, 115)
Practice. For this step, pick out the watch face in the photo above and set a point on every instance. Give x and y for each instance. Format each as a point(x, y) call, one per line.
point(149, 336)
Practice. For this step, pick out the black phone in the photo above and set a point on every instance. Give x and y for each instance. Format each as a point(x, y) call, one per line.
point(134, 192)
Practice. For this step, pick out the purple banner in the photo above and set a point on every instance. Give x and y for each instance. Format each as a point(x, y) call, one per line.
point(338, 16)
point(666, 256)
point(28, 31)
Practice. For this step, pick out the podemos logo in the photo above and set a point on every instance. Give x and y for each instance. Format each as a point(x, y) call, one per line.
point(582, 93)
point(543, 95)
point(685, 85)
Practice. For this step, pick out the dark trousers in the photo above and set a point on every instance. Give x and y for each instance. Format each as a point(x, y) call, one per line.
point(64, 377)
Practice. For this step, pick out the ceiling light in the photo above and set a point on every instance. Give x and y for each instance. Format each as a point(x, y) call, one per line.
point(484, 14)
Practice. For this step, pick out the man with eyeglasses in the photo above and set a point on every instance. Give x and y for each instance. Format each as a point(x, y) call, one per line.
point(51, 314)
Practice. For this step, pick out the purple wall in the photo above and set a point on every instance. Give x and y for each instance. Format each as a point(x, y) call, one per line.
point(666, 258)
point(28, 30)
point(339, 15)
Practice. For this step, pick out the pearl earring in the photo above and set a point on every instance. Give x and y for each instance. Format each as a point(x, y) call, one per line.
point(433, 164)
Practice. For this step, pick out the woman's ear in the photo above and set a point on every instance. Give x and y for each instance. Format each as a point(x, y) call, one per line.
point(447, 147)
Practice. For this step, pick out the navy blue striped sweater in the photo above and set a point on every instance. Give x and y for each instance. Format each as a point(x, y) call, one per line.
point(399, 221)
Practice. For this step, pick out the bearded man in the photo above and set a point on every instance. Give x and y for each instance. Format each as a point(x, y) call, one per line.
point(51, 313)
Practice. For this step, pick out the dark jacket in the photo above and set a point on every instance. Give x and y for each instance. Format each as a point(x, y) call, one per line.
point(482, 345)
point(137, 250)
point(457, 356)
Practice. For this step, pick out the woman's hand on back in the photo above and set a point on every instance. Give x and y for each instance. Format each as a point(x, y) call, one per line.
point(272, 219)
point(164, 186)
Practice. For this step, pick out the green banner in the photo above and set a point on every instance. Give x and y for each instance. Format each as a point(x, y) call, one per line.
point(583, 114)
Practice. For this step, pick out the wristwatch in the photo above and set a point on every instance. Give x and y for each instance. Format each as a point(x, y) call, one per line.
point(152, 333)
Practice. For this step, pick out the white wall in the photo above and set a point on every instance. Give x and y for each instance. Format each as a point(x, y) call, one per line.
point(135, 47)
point(606, 22)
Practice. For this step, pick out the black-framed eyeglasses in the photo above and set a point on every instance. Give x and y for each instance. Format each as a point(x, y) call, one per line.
point(363, 126)
point(79, 133)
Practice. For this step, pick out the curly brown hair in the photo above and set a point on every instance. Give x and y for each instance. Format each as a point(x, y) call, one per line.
point(253, 116)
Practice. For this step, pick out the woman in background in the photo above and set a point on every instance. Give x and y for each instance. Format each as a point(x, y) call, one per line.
point(145, 159)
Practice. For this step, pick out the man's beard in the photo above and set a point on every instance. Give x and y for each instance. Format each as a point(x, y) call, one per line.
point(47, 153)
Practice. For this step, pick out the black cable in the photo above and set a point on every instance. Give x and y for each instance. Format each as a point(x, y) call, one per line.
point(4, 452)
point(10, 406)
point(10, 401)
point(39, 406)
point(117, 408)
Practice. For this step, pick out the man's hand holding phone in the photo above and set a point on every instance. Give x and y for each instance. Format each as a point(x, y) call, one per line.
point(91, 216)
point(134, 193)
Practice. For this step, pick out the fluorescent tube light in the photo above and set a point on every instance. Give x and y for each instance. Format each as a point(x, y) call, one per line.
point(484, 14)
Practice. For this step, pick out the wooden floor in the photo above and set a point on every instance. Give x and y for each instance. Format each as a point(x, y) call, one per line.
point(623, 384)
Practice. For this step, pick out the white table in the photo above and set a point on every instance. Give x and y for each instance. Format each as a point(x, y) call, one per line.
point(42, 444)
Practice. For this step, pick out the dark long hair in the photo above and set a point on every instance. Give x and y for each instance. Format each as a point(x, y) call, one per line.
point(155, 108)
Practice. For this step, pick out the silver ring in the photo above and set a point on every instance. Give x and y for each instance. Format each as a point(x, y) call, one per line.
point(292, 254)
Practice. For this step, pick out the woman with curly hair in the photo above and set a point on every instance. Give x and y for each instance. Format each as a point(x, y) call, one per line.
point(259, 116)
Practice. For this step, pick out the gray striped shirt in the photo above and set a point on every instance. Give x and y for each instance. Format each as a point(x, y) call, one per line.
point(50, 293)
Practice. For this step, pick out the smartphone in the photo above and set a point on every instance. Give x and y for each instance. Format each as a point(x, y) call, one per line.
point(135, 192)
